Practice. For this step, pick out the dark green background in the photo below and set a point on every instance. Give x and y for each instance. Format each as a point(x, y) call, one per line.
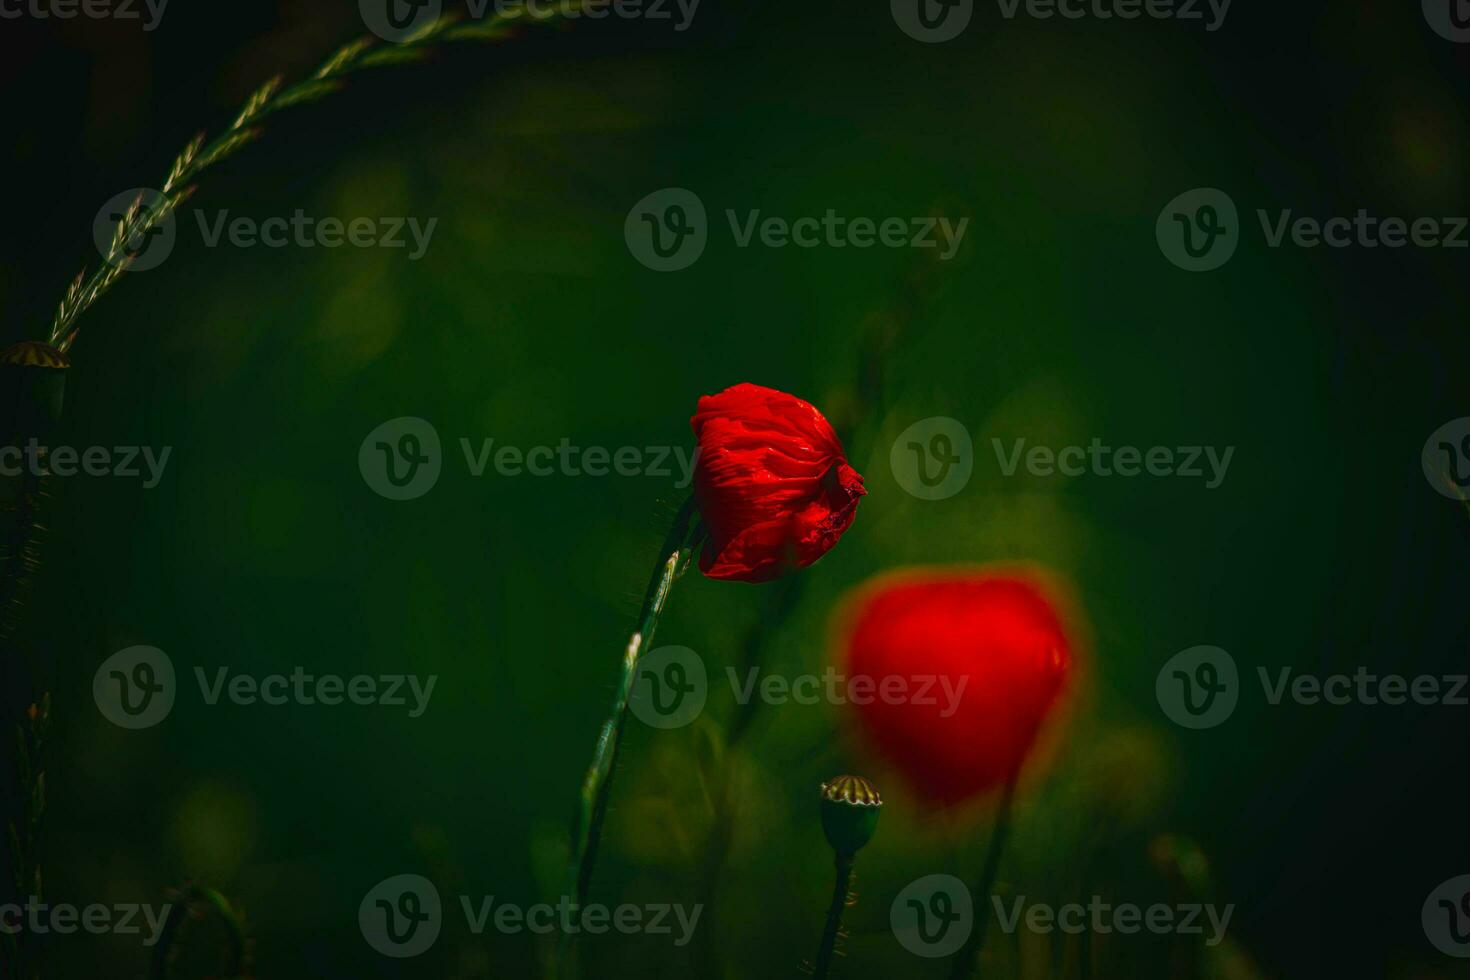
point(528, 321)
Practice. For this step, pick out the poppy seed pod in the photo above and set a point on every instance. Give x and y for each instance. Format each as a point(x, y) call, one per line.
point(32, 385)
point(850, 806)
point(773, 485)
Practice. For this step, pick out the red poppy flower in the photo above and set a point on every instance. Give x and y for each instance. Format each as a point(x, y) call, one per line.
point(980, 659)
point(772, 483)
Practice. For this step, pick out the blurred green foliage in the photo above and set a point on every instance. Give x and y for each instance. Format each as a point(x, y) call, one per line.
point(528, 321)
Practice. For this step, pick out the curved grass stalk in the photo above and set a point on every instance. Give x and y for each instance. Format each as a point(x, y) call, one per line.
point(355, 56)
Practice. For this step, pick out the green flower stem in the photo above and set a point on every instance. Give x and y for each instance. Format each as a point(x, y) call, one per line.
point(596, 787)
point(830, 931)
point(965, 960)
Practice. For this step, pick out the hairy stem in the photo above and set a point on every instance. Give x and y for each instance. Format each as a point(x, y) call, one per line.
point(965, 960)
point(597, 785)
point(20, 531)
point(19, 947)
point(834, 917)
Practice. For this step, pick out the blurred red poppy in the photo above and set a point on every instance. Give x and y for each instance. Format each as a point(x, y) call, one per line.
point(772, 483)
point(973, 662)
